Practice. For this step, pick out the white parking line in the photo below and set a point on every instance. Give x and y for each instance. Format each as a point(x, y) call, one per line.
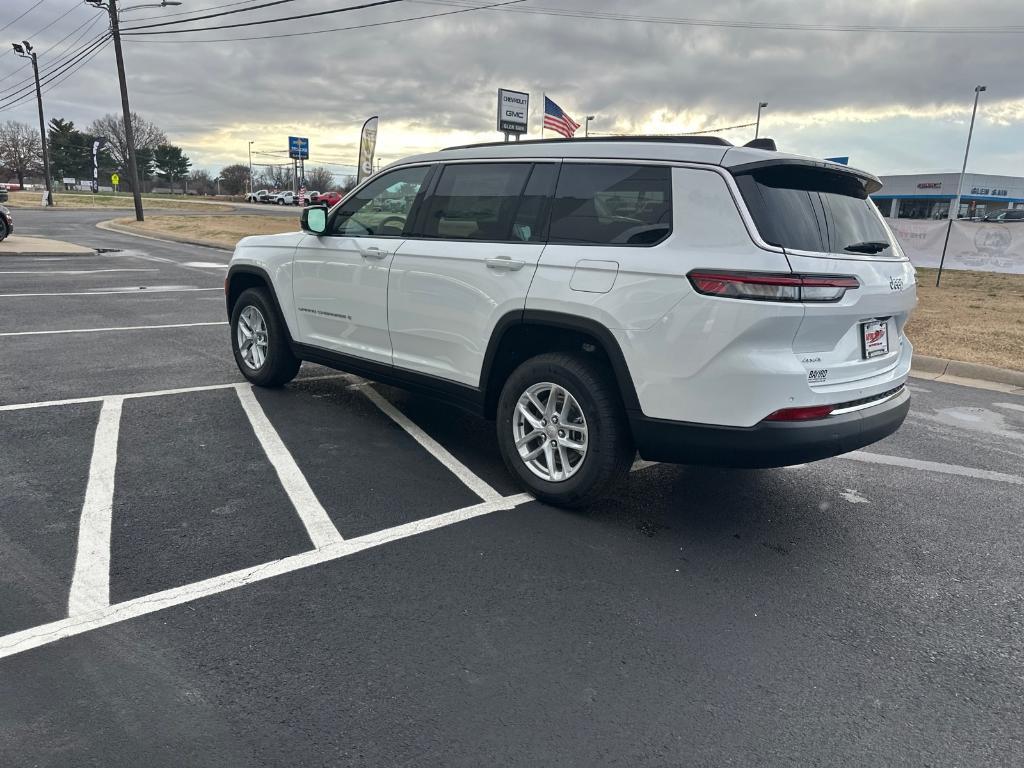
point(90, 585)
point(120, 328)
point(932, 466)
point(321, 529)
point(1009, 406)
point(75, 271)
point(136, 291)
point(438, 451)
point(151, 393)
point(19, 642)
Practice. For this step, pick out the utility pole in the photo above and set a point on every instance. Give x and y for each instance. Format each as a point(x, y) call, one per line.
point(954, 211)
point(757, 126)
point(25, 51)
point(250, 168)
point(129, 131)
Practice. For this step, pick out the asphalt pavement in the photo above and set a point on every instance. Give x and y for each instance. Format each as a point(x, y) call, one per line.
point(193, 572)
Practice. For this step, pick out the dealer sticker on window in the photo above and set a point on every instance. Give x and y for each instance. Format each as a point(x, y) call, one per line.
point(876, 338)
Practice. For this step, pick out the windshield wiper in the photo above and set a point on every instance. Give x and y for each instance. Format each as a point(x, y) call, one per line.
point(869, 246)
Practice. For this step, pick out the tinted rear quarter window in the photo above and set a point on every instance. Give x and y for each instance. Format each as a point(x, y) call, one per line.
point(612, 204)
point(475, 201)
point(811, 209)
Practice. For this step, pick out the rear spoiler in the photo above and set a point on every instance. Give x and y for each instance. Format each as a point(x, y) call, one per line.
point(870, 182)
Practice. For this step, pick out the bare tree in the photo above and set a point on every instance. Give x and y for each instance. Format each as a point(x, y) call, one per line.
point(202, 182)
point(347, 183)
point(147, 136)
point(320, 179)
point(20, 150)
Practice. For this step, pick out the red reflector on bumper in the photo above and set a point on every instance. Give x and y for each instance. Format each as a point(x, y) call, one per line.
point(805, 413)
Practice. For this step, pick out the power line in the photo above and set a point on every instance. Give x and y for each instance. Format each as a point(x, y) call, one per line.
point(46, 26)
point(373, 4)
point(53, 73)
point(210, 15)
point(20, 16)
point(185, 13)
point(333, 29)
point(88, 25)
point(682, 21)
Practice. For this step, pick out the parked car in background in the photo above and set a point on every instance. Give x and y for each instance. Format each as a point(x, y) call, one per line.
point(330, 199)
point(574, 292)
point(312, 196)
point(6, 222)
point(287, 197)
point(4, 195)
point(260, 196)
point(1005, 215)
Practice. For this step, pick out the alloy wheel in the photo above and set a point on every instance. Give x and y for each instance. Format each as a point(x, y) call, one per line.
point(252, 336)
point(550, 431)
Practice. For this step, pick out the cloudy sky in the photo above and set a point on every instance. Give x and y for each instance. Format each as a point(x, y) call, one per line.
point(895, 102)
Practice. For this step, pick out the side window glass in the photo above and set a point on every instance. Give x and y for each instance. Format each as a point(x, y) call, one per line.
point(611, 204)
point(529, 224)
point(475, 201)
point(380, 209)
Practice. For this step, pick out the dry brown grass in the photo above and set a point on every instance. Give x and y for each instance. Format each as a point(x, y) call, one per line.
point(216, 230)
point(86, 200)
point(977, 317)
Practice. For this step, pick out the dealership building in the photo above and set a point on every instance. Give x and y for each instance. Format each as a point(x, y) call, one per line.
point(930, 195)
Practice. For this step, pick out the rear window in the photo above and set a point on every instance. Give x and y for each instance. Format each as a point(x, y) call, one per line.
point(812, 209)
point(611, 204)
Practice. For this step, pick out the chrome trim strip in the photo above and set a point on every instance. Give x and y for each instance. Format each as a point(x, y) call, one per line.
point(872, 404)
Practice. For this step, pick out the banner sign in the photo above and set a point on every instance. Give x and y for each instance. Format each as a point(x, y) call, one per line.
point(367, 146)
point(97, 145)
point(513, 111)
point(985, 246)
point(298, 148)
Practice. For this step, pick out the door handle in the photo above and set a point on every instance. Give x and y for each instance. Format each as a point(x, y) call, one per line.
point(373, 252)
point(505, 262)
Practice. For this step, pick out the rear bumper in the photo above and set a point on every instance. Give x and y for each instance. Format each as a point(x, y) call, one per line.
point(768, 444)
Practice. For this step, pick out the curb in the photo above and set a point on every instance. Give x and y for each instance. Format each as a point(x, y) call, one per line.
point(110, 226)
point(940, 366)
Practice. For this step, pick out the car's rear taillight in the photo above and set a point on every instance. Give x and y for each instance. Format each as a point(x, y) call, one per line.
point(771, 286)
point(804, 413)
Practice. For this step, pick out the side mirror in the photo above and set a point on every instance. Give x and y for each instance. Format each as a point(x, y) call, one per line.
point(314, 219)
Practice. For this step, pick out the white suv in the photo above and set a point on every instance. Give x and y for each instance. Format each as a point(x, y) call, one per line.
point(693, 301)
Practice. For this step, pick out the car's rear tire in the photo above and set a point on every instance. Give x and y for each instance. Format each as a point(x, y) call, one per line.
point(260, 342)
point(571, 403)
point(3, 230)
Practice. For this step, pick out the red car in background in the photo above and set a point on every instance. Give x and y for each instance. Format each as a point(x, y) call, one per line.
point(330, 199)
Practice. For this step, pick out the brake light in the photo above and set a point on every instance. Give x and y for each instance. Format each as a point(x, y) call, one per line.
point(804, 413)
point(771, 286)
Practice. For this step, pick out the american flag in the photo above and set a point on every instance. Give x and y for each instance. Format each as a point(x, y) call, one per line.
point(557, 120)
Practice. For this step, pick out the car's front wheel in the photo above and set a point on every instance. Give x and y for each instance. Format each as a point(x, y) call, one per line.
point(561, 429)
point(259, 341)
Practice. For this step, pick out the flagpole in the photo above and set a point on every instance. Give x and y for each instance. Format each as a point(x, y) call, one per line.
point(544, 108)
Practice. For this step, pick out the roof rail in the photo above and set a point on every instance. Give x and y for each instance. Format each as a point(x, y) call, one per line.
point(712, 140)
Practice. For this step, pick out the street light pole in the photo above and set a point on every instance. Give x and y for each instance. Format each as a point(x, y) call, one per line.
point(25, 51)
point(954, 212)
point(586, 125)
point(250, 168)
point(757, 126)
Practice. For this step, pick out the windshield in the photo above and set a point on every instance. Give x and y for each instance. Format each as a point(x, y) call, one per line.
point(814, 209)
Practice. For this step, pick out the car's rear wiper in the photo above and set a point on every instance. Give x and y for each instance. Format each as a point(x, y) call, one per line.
point(869, 246)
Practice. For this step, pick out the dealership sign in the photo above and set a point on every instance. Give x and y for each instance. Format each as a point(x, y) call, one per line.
point(929, 185)
point(513, 111)
point(298, 147)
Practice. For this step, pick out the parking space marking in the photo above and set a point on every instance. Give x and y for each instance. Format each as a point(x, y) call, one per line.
point(932, 466)
point(120, 328)
point(1009, 406)
point(434, 448)
point(151, 393)
point(76, 271)
point(319, 525)
point(140, 290)
point(90, 584)
point(19, 642)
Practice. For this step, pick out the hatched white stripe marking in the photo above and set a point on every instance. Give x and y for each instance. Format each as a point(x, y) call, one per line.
point(90, 584)
point(75, 271)
point(932, 466)
point(319, 525)
point(19, 642)
point(137, 291)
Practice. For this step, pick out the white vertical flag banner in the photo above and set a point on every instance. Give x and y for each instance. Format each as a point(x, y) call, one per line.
point(367, 146)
